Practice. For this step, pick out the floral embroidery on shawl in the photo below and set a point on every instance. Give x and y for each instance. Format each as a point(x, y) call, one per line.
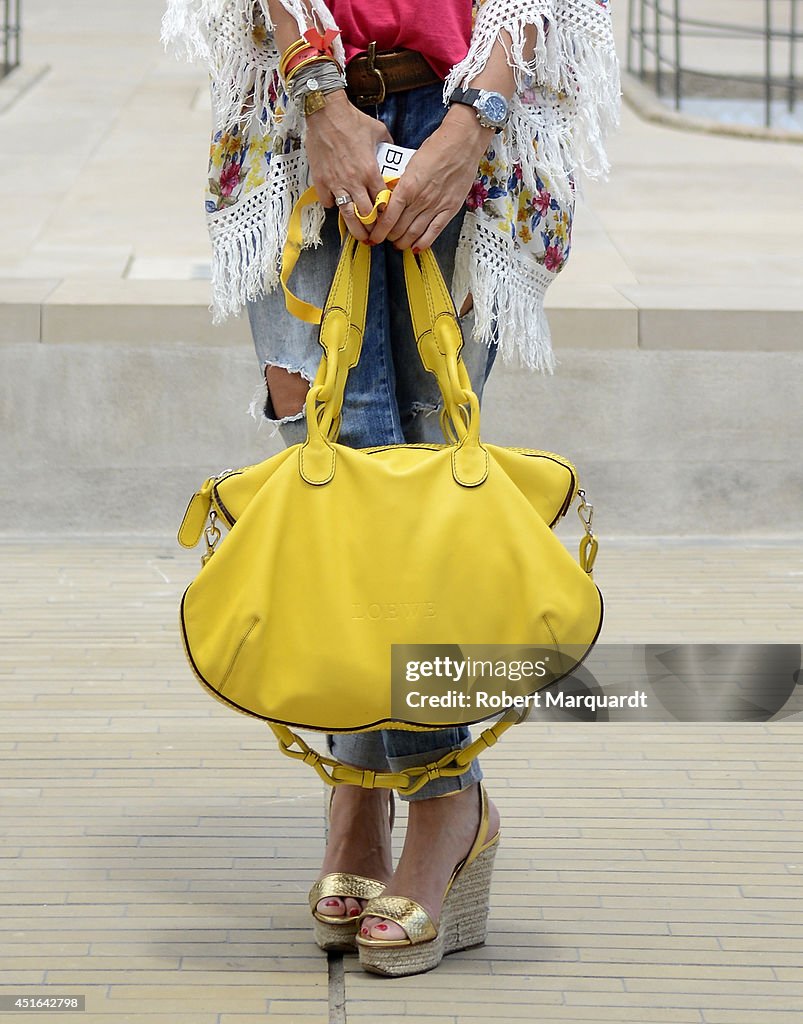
point(516, 234)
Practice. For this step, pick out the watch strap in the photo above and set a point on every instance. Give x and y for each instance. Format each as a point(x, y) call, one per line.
point(467, 96)
point(477, 99)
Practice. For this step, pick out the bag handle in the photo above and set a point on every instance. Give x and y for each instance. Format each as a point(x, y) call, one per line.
point(429, 299)
point(438, 337)
point(440, 343)
point(409, 781)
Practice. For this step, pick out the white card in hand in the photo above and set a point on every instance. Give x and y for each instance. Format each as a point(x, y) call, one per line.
point(392, 159)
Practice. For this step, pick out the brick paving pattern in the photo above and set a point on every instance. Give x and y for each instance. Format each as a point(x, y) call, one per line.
point(158, 848)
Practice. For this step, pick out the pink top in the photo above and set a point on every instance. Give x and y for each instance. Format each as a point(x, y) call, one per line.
point(438, 29)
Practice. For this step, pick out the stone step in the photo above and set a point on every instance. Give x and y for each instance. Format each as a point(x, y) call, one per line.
point(116, 436)
point(582, 316)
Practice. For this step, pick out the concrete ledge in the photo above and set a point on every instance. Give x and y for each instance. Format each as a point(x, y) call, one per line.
point(135, 312)
point(648, 106)
point(21, 308)
point(718, 318)
point(587, 316)
point(148, 312)
point(721, 330)
point(116, 438)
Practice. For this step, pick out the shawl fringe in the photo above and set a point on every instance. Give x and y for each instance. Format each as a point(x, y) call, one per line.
point(567, 99)
point(568, 93)
point(248, 240)
point(243, 71)
point(508, 296)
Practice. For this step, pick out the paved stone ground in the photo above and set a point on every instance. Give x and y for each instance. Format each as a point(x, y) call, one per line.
point(158, 848)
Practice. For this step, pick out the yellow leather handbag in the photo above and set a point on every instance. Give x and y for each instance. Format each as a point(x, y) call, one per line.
point(335, 554)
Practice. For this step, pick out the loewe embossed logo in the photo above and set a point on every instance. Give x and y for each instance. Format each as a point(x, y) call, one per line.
point(394, 610)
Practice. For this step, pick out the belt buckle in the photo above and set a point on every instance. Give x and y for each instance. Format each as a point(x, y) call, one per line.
point(363, 100)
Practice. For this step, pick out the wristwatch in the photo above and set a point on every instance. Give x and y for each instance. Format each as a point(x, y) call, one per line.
point(492, 108)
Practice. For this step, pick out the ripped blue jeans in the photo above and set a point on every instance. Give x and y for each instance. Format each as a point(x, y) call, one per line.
point(390, 398)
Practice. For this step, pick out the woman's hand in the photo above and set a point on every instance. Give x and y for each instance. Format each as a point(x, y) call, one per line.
point(435, 183)
point(341, 147)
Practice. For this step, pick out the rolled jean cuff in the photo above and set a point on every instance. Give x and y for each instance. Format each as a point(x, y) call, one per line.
point(444, 785)
point(361, 749)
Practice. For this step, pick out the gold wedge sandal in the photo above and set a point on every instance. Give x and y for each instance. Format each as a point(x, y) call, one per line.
point(339, 933)
point(463, 920)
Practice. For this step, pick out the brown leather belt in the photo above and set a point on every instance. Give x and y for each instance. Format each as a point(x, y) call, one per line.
point(370, 76)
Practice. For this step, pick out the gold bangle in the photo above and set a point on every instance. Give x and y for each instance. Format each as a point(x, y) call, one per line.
point(303, 43)
point(283, 65)
point(290, 52)
point(294, 47)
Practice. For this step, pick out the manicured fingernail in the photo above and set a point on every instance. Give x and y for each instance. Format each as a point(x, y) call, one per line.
point(416, 251)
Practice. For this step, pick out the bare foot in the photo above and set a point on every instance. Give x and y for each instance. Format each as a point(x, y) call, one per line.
point(440, 832)
point(358, 843)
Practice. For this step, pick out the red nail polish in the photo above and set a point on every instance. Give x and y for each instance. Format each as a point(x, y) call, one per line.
point(416, 251)
point(381, 927)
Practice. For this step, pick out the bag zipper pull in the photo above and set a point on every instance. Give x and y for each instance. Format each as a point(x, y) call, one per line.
point(192, 525)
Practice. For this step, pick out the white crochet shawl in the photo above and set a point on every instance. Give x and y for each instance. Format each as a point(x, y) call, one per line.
point(567, 98)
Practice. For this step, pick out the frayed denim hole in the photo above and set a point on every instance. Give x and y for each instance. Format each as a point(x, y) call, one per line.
point(261, 407)
point(424, 409)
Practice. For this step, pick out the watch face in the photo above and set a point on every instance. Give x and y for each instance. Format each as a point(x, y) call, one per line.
point(495, 108)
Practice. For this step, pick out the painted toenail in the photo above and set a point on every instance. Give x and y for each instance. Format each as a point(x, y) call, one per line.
point(381, 927)
point(332, 903)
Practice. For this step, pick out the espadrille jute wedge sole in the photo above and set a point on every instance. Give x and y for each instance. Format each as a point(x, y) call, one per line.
point(463, 925)
point(337, 938)
point(339, 934)
point(463, 919)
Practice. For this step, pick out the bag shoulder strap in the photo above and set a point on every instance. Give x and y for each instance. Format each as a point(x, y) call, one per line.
point(308, 311)
point(456, 762)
